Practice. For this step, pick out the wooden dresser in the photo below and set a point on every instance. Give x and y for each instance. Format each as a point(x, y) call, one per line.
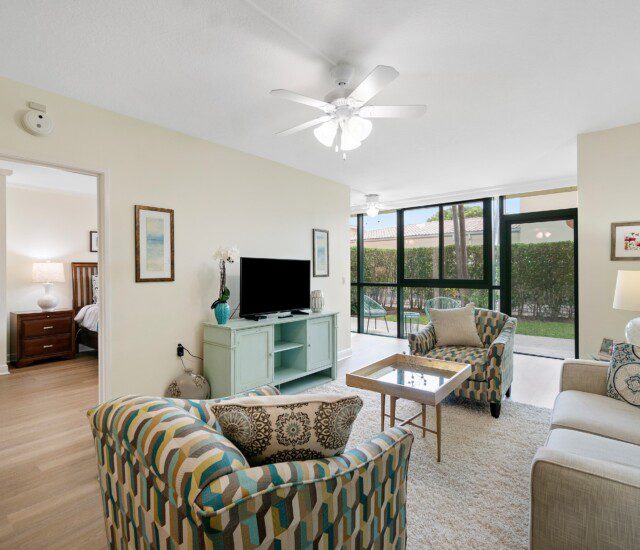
point(42, 336)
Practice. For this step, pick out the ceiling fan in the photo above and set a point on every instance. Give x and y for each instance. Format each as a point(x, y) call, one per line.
point(345, 123)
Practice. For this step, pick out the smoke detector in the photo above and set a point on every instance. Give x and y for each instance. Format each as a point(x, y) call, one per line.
point(36, 121)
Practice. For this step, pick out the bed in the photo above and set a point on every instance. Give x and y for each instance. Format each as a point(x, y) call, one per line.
point(85, 307)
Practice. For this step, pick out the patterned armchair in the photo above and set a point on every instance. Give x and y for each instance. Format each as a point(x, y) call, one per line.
point(169, 479)
point(492, 364)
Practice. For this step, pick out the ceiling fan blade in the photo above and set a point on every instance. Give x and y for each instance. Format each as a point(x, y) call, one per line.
point(304, 125)
point(293, 96)
point(392, 111)
point(373, 83)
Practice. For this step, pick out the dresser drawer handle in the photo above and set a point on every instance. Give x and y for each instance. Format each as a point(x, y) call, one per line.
point(47, 328)
point(48, 346)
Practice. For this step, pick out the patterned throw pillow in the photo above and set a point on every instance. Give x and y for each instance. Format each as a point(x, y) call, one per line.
point(283, 428)
point(95, 288)
point(623, 377)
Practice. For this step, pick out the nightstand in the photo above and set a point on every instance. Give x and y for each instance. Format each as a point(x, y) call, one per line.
point(41, 336)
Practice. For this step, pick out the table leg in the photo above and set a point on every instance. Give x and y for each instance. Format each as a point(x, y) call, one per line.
point(392, 411)
point(438, 430)
point(383, 405)
point(424, 420)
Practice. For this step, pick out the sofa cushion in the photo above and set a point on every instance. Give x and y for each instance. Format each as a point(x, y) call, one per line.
point(594, 446)
point(476, 357)
point(283, 428)
point(623, 377)
point(455, 327)
point(596, 414)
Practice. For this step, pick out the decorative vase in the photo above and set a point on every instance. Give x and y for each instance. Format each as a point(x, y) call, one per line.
point(189, 385)
point(317, 301)
point(222, 313)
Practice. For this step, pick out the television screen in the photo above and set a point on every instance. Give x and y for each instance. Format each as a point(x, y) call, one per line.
point(269, 286)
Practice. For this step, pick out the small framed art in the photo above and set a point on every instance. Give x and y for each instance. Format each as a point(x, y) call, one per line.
point(320, 253)
point(625, 241)
point(154, 244)
point(93, 241)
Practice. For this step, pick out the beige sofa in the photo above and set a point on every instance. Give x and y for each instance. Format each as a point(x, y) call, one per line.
point(585, 481)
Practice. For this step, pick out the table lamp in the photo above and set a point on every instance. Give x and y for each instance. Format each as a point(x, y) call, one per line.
point(627, 297)
point(48, 273)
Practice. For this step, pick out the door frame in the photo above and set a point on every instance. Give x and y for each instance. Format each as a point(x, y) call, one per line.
point(104, 258)
point(506, 221)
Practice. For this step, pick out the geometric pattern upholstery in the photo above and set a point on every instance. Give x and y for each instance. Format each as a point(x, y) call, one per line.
point(491, 365)
point(170, 480)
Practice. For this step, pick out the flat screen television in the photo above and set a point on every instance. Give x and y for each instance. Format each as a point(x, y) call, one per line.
point(269, 285)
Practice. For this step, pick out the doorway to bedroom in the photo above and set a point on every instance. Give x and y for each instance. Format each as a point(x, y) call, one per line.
point(52, 283)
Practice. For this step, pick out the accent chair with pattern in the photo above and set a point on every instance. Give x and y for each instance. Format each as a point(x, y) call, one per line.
point(492, 364)
point(170, 479)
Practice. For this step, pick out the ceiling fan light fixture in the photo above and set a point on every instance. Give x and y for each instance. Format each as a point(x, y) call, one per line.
point(326, 133)
point(348, 141)
point(359, 127)
point(373, 205)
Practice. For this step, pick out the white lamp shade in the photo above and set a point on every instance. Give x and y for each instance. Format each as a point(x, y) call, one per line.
point(326, 133)
point(627, 294)
point(359, 127)
point(48, 272)
point(347, 141)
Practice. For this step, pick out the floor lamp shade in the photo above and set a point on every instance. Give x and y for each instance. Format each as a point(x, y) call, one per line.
point(48, 273)
point(627, 297)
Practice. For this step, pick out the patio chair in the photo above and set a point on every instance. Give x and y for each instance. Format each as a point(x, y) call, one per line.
point(440, 302)
point(374, 310)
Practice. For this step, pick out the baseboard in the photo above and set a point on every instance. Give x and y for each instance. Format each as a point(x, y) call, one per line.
point(344, 353)
point(4, 369)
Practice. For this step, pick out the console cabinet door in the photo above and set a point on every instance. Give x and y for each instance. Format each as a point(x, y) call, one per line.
point(253, 358)
point(320, 343)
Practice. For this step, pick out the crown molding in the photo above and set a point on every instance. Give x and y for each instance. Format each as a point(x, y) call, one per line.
point(472, 194)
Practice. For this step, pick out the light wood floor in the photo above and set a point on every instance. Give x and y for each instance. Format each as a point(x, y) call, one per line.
point(50, 497)
point(49, 490)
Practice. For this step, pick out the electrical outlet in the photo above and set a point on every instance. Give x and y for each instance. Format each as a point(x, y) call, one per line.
point(180, 350)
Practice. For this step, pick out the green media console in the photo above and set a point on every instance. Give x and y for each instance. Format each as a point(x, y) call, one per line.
point(293, 354)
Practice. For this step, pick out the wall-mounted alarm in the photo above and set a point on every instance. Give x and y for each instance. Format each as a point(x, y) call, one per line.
point(36, 121)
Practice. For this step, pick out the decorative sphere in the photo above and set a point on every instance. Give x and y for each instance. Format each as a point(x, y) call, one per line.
point(189, 385)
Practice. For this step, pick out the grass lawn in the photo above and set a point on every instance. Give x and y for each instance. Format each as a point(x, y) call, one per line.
point(552, 329)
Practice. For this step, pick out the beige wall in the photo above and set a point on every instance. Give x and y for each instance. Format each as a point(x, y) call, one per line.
point(45, 225)
point(608, 191)
point(220, 196)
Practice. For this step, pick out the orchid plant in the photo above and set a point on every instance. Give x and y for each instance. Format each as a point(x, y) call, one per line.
point(225, 255)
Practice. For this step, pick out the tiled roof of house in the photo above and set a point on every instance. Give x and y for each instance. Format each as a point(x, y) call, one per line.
point(426, 229)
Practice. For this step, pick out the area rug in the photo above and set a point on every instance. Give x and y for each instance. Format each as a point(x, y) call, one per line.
point(478, 496)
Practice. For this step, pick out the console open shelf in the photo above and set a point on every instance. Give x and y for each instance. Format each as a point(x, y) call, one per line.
point(283, 345)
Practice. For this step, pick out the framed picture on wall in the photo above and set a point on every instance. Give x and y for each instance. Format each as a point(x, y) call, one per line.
point(625, 241)
point(320, 253)
point(154, 244)
point(93, 241)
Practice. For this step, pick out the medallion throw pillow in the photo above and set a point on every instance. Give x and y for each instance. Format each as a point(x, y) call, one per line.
point(623, 377)
point(283, 428)
point(455, 327)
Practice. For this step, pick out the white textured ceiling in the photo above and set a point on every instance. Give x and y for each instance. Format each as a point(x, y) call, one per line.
point(52, 179)
point(508, 84)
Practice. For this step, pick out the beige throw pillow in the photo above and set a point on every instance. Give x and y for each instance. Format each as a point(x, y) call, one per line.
point(283, 428)
point(455, 327)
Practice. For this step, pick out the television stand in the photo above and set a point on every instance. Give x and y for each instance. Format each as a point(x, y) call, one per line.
point(299, 312)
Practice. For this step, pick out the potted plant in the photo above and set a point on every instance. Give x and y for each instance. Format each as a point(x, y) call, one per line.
point(220, 307)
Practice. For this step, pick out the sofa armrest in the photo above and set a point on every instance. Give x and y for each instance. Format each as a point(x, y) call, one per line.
point(184, 453)
point(586, 376)
point(500, 354)
point(273, 482)
point(580, 502)
point(423, 341)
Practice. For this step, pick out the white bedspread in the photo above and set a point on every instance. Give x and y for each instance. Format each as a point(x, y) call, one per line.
point(88, 317)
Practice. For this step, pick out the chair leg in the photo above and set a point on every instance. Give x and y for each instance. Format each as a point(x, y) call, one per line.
point(385, 322)
point(495, 409)
point(508, 394)
point(368, 321)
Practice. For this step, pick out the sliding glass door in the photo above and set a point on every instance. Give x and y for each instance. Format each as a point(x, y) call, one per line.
point(539, 282)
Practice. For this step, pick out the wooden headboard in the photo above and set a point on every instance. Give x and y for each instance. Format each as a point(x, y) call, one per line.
point(81, 273)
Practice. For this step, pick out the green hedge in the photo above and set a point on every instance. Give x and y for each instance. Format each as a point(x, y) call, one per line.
point(542, 275)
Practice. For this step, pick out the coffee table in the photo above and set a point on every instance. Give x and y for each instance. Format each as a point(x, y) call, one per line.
point(419, 379)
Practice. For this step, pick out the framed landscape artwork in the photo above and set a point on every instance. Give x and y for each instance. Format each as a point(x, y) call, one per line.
point(320, 253)
point(154, 244)
point(625, 241)
point(93, 241)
